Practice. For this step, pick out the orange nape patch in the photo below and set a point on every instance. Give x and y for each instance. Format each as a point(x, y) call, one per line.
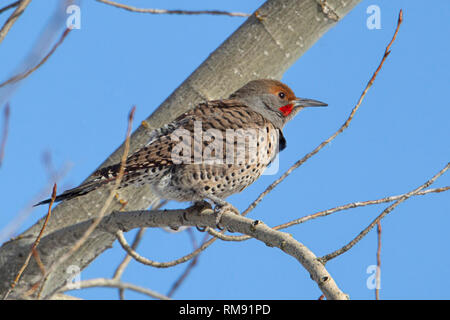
point(287, 109)
point(281, 87)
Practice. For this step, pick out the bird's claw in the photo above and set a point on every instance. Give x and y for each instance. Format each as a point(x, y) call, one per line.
point(219, 210)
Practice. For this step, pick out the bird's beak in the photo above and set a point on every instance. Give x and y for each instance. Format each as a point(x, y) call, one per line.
point(302, 102)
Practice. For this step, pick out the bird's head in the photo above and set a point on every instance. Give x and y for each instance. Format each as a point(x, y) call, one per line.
point(274, 100)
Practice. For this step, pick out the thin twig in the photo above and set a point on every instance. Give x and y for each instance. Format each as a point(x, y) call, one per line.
point(355, 205)
point(103, 210)
point(189, 267)
point(326, 213)
point(112, 283)
point(38, 260)
point(341, 129)
point(35, 244)
point(12, 18)
point(378, 271)
point(385, 212)
point(164, 11)
point(8, 231)
point(6, 114)
point(122, 266)
point(225, 237)
point(9, 6)
point(137, 239)
point(26, 73)
point(123, 242)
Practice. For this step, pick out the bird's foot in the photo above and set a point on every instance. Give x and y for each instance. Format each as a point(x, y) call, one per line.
point(220, 209)
point(198, 207)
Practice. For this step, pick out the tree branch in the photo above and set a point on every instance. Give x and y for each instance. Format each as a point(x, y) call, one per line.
point(189, 267)
point(113, 283)
point(327, 212)
point(123, 242)
point(26, 73)
point(85, 236)
point(35, 244)
point(20, 8)
point(9, 6)
point(164, 11)
point(195, 216)
point(353, 205)
point(364, 232)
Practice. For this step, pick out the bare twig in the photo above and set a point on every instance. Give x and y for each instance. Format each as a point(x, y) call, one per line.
point(103, 210)
point(6, 114)
point(22, 215)
point(38, 260)
point(137, 239)
point(112, 283)
point(35, 244)
point(356, 205)
point(385, 212)
point(20, 8)
point(326, 213)
point(122, 266)
point(26, 73)
point(220, 235)
point(164, 11)
point(9, 6)
point(378, 271)
point(341, 129)
point(123, 242)
point(189, 267)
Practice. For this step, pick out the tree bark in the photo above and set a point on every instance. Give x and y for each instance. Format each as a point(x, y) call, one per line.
point(265, 46)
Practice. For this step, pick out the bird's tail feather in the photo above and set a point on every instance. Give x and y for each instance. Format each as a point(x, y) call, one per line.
point(76, 192)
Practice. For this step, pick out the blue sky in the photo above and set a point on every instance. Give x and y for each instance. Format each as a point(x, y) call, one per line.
point(75, 108)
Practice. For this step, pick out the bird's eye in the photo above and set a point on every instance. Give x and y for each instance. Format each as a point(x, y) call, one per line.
point(282, 95)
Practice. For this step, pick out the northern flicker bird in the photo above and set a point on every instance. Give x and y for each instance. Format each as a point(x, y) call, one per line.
point(212, 151)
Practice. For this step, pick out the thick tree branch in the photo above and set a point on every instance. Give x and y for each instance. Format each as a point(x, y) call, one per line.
point(195, 216)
